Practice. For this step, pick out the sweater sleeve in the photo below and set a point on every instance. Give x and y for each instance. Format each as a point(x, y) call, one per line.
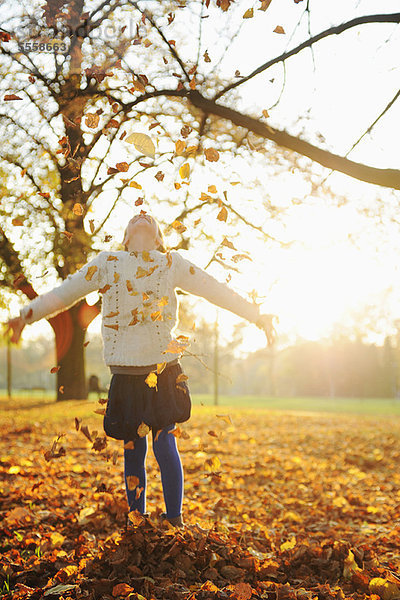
point(88, 279)
point(190, 278)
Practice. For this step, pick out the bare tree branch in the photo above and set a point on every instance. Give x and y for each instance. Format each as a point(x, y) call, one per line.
point(384, 18)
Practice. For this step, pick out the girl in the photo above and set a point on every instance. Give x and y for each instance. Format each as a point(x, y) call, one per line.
point(139, 313)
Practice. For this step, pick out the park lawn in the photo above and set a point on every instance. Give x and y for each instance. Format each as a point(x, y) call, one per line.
point(274, 500)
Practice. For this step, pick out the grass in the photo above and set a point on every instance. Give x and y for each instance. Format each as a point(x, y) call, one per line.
point(38, 403)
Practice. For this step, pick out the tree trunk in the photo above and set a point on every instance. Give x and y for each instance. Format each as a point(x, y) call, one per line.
point(70, 336)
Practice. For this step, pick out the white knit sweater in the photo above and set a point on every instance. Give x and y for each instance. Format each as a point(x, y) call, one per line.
point(139, 308)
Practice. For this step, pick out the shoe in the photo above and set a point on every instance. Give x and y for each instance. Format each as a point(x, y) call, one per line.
point(175, 521)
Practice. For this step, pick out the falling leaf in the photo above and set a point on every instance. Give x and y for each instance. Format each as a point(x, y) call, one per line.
point(265, 4)
point(248, 14)
point(86, 432)
point(161, 367)
point(211, 154)
point(104, 289)
point(122, 167)
point(184, 171)
point(178, 226)
point(140, 272)
point(265, 113)
point(206, 57)
point(146, 256)
point(212, 189)
point(90, 272)
point(55, 369)
point(223, 214)
point(138, 493)
point(133, 481)
point(9, 97)
point(151, 380)
point(17, 222)
point(156, 316)
point(225, 418)
point(175, 347)
point(112, 314)
point(279, 29)
point(61, 389)
point(135, 185)
point(192, 270)
point(143, 430)
point(129, 445)
point(77, 209)
point(92, 120)
point(180, 146)
point(143, 143)
point(139, 201)
point(181, 377)
point(112, 326)
point(163, 301)
point(91, 225)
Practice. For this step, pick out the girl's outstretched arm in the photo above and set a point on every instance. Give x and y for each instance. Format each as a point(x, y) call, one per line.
point(88, 279)
point(190, 278)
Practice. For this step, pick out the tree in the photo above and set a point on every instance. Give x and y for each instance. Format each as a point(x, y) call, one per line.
point(70, 93)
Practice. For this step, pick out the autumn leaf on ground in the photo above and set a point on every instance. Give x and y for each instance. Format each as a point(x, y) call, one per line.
point(143, 143)
point(212, 464)
point(122, 589)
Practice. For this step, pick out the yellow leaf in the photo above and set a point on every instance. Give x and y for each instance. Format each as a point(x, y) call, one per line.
point(279, 29)
point(288, 545)
point(146, 256)
point(132, 481)
point(151, 379)
point(135, 185)
point(164, 301)
point(156, 316)
point(143, 143)
point(265, 113)
point(350, 566)
point(184, 171)
point(225, 418)
point(223, 214)
point(177, 186)
point(181, 377)
point(212, 189)
point(140, 272)
point(248, 14)
point(77, 209)
point(90, 272)
point(384, 588)
point(56, 539)
point(161, 367)
point(212, 464)
point(143, 430)
point(211, 154)
point(179, 227)
point(180, 145)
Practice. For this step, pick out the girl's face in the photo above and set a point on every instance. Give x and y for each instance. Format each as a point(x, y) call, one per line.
point(145, 226)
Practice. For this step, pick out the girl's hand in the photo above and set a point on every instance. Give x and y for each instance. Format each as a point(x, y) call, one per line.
point(17, 324)
point(265, 322)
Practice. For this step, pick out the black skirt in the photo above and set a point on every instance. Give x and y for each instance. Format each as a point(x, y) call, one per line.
point(132, 402)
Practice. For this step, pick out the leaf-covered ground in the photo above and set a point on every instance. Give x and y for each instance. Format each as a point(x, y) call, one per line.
point(277, 506)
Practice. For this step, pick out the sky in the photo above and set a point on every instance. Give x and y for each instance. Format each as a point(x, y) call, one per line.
point(341, 262)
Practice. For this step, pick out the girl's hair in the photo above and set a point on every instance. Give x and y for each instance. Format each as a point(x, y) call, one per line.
point(161, 247)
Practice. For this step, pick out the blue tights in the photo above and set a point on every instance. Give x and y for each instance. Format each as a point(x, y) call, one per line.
point(167, 455)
